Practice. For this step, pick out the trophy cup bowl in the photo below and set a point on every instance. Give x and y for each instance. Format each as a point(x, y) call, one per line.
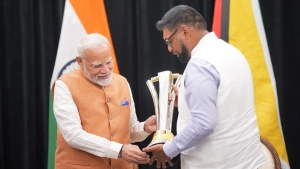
point(163, 110)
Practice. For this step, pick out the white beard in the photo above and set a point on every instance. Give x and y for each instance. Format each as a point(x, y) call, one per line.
point(96, 78)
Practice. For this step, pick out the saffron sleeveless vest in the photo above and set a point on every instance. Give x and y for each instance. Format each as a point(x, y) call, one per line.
point(101, 114)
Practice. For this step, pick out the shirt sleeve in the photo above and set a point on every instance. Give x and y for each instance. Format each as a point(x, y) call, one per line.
point(69, 123)
point(137, 132)
point(201, 85)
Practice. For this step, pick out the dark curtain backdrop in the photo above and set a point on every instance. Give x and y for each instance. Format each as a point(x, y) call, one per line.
point(29, 35)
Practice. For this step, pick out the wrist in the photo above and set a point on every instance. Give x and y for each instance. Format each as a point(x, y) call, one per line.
point(120, 152)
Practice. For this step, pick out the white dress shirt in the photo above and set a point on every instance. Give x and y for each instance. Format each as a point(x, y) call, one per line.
point(202, 82)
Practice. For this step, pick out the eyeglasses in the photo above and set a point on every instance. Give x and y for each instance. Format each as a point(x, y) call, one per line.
point(167, 40)
point(98, 66)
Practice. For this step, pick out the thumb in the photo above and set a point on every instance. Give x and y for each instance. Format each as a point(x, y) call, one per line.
point(175, 89)
point(153, 117)
point(147, 149)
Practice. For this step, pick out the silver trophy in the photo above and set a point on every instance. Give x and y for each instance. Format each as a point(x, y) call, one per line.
point(163, 110)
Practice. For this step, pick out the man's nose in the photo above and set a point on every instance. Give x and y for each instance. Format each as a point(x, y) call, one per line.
point(105, 69)
point(170, 49)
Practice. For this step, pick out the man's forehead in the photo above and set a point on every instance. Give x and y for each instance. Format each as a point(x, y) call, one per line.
point(102, 62)
point(97, 53)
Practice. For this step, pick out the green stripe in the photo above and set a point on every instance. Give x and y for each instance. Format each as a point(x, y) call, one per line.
point(51, 134)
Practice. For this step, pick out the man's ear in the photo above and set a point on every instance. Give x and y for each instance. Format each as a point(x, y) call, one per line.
point(186, 31)
point(79, 60)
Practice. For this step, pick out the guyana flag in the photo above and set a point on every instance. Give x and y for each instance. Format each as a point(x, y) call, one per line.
point(81, 17)
point(239, 22)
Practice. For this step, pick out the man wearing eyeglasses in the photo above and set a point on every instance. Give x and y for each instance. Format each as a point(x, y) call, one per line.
point(95, 113)
point(216, 126)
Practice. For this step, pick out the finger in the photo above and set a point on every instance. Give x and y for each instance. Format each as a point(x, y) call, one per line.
point(164, 164)
point(174, 87)
point(139, 161)
point(143, 155)
point(158, 164)
point(148, 149)
point(142, 160)
point(152, 160)
point(170, 95)
point(135, 158)
point(153, 117)
point(140, 153)
point(170, 162)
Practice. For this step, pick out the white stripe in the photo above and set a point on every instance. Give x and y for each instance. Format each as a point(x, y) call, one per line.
point(263, 39)
point(72, 32)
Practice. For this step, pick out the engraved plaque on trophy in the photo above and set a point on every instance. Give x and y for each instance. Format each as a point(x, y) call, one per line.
point(163, 110)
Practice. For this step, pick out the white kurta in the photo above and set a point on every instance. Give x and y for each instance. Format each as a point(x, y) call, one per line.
point(235, 141)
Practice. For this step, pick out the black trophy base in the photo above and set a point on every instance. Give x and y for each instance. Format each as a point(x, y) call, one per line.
point(175, 160)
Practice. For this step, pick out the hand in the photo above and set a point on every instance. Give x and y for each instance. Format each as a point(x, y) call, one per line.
point(133, 154)
point(158, 155)
point(176, 96)
point(150, 124)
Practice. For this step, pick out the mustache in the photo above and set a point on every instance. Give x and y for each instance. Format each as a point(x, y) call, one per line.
point(105, 74)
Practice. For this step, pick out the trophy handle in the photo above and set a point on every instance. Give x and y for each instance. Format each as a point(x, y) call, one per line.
point(154, 97)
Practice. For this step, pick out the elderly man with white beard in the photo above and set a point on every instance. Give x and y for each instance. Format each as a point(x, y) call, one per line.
point(95, 113)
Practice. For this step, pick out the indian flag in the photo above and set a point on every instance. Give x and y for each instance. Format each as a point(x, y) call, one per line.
point(80, 18)
point(239, 22)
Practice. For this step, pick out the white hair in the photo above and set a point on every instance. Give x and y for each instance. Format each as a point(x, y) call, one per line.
point(92, 41)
